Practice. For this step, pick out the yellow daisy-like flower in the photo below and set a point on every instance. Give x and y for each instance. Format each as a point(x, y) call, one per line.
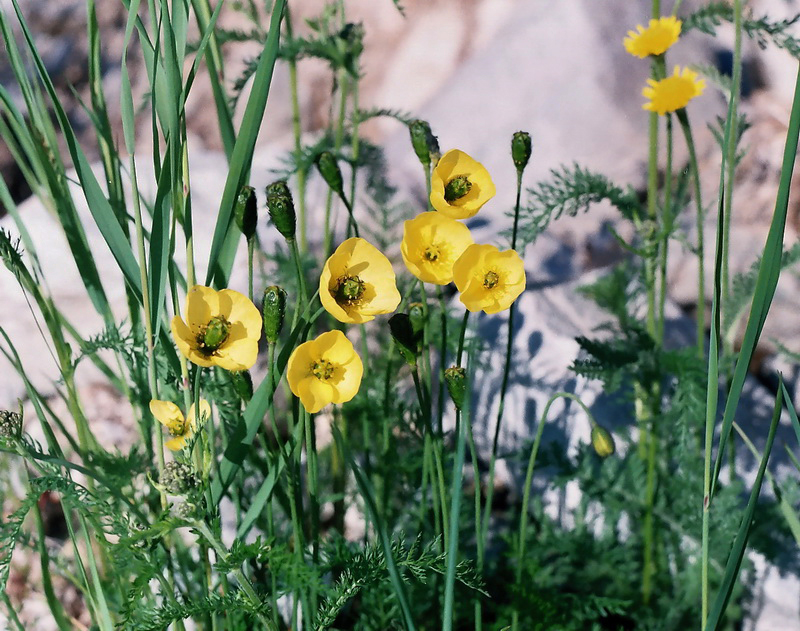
point(181, 429)
point(489, 280)
point(357, 283)
point(672, 93)
point(222, 328)
point(324, 370)
point(655, 39)
point(460, 185)
point(432, 244)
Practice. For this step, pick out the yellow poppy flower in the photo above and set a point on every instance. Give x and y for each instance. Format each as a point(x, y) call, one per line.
point(181, 429)
point(672, 93)
point(357, 283)
point(655, 39)
point(431, 245)
point(324, 370)
point(489, 280)
point(222, 328)
point(460, 185)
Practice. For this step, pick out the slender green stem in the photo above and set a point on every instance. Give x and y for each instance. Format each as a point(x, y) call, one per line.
point(442, 360)
point(297, 131)
point(244, 582)
point(526, 489)
point(683, 118)
point(649, 543)
point(437, 454)
point(250, 248)
point(461, 337)
point(476, 475)
point(666, 231)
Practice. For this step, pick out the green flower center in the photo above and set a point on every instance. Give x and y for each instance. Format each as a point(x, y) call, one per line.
point(177, 428)
point(456, 188)
point(431, 253)
point(213, 335)
point(322, 369)
point(349, 290)
point(490, 280)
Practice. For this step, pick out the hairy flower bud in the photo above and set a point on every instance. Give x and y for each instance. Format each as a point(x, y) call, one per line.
point(456, 379)
point(274, 311)
point(330, 172)
point(178, 478)
point(246, 212)
point(280, 206)
point(602, 441)
point(521, 148)
point(425, 144)
point(243, 384)
point(10, 424)
point(406, 338)
point(418, 313)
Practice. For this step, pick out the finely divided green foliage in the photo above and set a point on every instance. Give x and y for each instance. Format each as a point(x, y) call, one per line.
point(762, 30)
point(571, 190)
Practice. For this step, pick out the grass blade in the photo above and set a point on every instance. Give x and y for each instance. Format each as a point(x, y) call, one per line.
point(223, 246)
point(731, 575)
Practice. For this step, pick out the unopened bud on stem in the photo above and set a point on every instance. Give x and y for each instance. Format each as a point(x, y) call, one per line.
point(330, 172)
point(425, 144)
point(281, 209)
point(274, 311)
point(602, 441)
point(521, 148)
point(406, 338)
point(246, 212)
point(456, 379)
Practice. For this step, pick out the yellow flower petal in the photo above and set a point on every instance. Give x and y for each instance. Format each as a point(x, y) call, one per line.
point(202, 304)
point(453, 164)
point(659, 35)
point(234, 315)
point(359, 260)
point(489, 280)
point(325, 370)
point(431, 245)
point(674, 92)
point(166, 413)
point(205, 414)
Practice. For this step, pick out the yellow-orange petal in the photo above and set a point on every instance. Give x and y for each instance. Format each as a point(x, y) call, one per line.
point(450, 165)
point(202, 304)
point(239, 308)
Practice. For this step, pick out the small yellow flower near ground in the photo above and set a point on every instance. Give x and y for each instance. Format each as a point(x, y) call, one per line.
point(672, 93)
point(489, 280)
point(181, 429)
point(222, 328)
point(432, 244)
point(324, 370)
point(655, 39)
point(460, 185)
point(357, 283)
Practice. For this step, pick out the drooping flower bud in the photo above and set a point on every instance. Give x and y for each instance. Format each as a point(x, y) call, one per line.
point(456, 379)
point(521, 148)
point(425, 144)
point(243, 384)
point(10, 424)
point(246, 212)
point(330, 172)
point(274, 311)
point(178, 478)
point(406, 338)
point(280, 206)
point(602, 441)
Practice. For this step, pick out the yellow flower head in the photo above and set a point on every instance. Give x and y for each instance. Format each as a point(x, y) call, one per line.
point(357, 283)
point(432, 244)
point(222, 328)
point(672, 93)
point(324, 370)
point(181, 429)
point(655, 39)
point(489, 280)
point(460, 185)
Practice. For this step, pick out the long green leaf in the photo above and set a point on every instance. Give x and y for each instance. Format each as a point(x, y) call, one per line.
point(736, 555)
point(223, 248)
point(98, 204)
point(768, 274)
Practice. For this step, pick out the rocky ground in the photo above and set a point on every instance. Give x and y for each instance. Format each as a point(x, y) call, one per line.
point(477, 70)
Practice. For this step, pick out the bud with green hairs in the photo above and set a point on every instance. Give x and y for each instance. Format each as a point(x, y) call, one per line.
point(280, 206)
point(521, 148)
point(274, 311)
